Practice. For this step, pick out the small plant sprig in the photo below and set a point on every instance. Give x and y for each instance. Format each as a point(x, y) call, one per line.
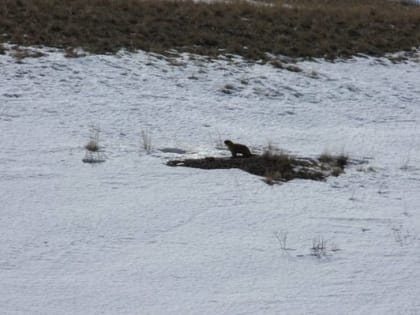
point(282, 239)
point(93, 143)
point(146, 139)
point(319, 247)
point(93, 149)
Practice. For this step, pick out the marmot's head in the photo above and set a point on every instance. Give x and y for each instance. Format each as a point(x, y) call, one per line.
point(228, 143)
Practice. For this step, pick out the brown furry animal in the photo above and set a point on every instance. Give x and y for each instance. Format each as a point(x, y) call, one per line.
point(237, 148)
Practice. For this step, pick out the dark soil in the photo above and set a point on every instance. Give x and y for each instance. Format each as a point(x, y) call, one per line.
point(274, 168)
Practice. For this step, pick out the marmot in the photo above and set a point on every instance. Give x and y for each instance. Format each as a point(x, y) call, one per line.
point(237, 148)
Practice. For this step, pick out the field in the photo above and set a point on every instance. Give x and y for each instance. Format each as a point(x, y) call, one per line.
point(304, 28)
point(131, 235)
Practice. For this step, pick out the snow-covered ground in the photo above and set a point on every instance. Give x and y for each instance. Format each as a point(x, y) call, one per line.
point(134, 236)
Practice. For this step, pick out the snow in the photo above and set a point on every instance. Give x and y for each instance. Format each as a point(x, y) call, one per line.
point(134, 236)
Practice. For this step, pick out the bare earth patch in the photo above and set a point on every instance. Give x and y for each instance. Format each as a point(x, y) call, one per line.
point(274, 168)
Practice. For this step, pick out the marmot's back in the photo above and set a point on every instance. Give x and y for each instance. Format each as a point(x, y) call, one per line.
point(237, 148)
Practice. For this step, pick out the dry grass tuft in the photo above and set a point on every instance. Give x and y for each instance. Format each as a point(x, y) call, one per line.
point(92, 146)
point(94, 152)
point(339, 161)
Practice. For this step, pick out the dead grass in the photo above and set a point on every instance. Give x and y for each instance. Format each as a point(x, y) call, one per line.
point(274, 167)
point(339, 161)
point(20, 53)
point(94, 152)
point(92, 146)
point(300, 28)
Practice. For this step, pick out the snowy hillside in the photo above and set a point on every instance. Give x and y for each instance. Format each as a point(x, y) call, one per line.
point(134, 236)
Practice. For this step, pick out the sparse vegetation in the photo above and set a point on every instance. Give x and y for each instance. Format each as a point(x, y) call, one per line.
point(282, 239)
point(300, 28)
point(336, 163)
point(278, 165)
point(273, 165)
point(93, 152)
point(93, 143)
point(146, 141)
point(228, 89)
point(319, 247)
point(20, 53)
point(401, 236)
point(92, 146)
